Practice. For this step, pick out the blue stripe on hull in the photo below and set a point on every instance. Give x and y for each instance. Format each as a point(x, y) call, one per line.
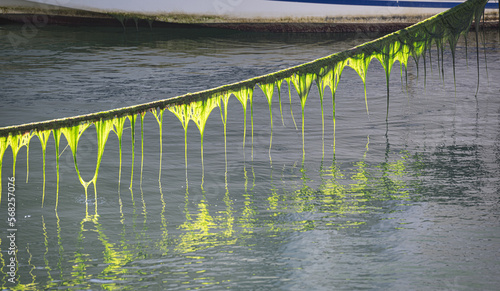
point(414, 4)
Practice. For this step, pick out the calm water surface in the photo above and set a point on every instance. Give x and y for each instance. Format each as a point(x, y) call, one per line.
point(412, 203)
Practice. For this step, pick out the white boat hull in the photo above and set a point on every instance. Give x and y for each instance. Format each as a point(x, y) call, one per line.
point(242, 8)
point(253, 8)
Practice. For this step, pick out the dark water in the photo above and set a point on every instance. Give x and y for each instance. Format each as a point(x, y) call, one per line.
point(408, 204)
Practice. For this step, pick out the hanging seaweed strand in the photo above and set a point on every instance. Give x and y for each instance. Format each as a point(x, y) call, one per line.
point(158, 113)
point(142, 146)
point(321, 90)
point(57, 141)
point(268, 89)
point(200, 111)
point(4, 144)
point(243, 96)
point(302, 83)
point(222, 101)
point(288, 81)
point(118, 126)
point(278, 86)
point(132, 118)
point(182, 113)
point(43, 136)
point(103, 128)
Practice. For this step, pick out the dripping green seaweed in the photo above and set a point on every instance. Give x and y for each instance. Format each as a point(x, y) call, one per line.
point(43, 136)
point(118, 127)
point(439, 27)
point(268, 90)
point(413, 41)
point(303, 83)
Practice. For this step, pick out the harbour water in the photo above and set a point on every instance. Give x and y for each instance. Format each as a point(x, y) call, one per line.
point(411, 203)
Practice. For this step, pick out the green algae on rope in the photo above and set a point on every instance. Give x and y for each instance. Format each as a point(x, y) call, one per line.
point(200, 111)
point(331, 79)
point(415, 41)
point(442, 26)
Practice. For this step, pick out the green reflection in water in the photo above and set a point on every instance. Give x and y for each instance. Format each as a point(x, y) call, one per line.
point(332, 189)
point(114, 258)
point(339, 200)
point(60, 246)
point(247, 220)
point(2, 262)
point(162, 244)
point(203, 230)
point(46, 244)
point(198, 232)
point(360, 177)
point(32, 267)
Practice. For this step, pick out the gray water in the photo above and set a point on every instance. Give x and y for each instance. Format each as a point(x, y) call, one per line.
point(412, 203)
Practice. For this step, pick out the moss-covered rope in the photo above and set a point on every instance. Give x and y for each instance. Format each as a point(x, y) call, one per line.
point(415, 41)
point(440, 27)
